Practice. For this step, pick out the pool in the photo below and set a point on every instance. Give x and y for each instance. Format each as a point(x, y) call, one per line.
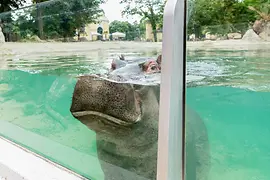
point(230, 91)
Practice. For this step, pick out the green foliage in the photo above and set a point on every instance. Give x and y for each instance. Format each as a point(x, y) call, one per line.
point(150, 10)
point(6, 18)
point(260, 7)
point(7, 5)
point(132, 31)
point(60, 18)
point(220, 17)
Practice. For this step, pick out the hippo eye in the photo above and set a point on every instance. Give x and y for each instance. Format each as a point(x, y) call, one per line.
point(153, 68)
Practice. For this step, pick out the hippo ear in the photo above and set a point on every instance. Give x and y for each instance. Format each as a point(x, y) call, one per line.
point(159, 59)
point(122, 57)
point(141, 65)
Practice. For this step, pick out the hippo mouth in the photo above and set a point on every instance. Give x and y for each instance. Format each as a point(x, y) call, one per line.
point(107, 118)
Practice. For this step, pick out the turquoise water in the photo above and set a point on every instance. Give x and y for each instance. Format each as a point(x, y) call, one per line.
point(238, 126)
point(230, 93)
point(34, 112)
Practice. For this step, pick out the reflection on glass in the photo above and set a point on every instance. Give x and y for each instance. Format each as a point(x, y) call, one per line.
point(228, 85)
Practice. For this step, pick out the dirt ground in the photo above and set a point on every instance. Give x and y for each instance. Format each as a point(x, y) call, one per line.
point(50, 48)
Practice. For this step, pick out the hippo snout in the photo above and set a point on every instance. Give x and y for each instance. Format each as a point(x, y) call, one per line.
point(97, 99)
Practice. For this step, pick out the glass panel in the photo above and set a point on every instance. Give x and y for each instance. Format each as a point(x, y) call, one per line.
point(79, 84)
point(228, 87)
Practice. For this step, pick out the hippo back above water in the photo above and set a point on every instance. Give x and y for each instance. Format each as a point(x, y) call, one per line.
point(124, 113)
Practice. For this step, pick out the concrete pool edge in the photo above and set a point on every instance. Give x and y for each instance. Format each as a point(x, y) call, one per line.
point(25, 164)
point(58, 153)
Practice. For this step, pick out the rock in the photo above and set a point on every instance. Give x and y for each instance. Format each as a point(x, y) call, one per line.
point(234, 36)
point(83, 39)
point(2, 37)
point(258, 26)
point(192, 37)
point(209, 36)
point(222, 38)
point(35, 38)
point(265, 34)
point(250, 35)
point(262, 28)
point(30, 38)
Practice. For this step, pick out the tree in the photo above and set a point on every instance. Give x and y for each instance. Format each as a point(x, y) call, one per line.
point(132, 31)
point(260, 7)
point(61, 18)
point(6, 18)
point(151, 10)
point(39, 16)
point(118, 26)
point(84, 12)
point(7, 5)
point(219, 17)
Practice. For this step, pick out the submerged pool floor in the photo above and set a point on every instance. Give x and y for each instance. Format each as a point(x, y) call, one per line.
point(34, 112)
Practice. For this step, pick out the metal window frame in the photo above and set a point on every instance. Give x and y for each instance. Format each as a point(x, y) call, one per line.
point(171, 142)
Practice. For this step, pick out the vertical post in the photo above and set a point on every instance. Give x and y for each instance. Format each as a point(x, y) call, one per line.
point(170, 164)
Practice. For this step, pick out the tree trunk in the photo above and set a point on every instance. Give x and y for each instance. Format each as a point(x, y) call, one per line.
point(79, 36)
point(155, 35)
point(154, 30)
point(39, 20)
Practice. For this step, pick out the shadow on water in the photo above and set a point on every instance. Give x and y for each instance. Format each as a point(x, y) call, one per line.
point(35, 108)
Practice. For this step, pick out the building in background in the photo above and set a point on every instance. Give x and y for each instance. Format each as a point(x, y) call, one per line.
point(149, 36)
point(97, 31)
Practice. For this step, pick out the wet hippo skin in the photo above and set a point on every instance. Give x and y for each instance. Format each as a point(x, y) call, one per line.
point(125, 119)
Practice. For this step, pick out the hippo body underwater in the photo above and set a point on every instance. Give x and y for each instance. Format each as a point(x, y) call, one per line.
point(125, 117)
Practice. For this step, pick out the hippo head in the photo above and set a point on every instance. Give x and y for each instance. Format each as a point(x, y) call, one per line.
point(111, 108)
point(117, 107)
point(125, 119)
point(122, 108)
point(148, 66)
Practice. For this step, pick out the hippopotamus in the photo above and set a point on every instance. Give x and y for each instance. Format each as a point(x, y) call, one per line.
point(134, 70)
point(125, 116)
point(145, 65)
